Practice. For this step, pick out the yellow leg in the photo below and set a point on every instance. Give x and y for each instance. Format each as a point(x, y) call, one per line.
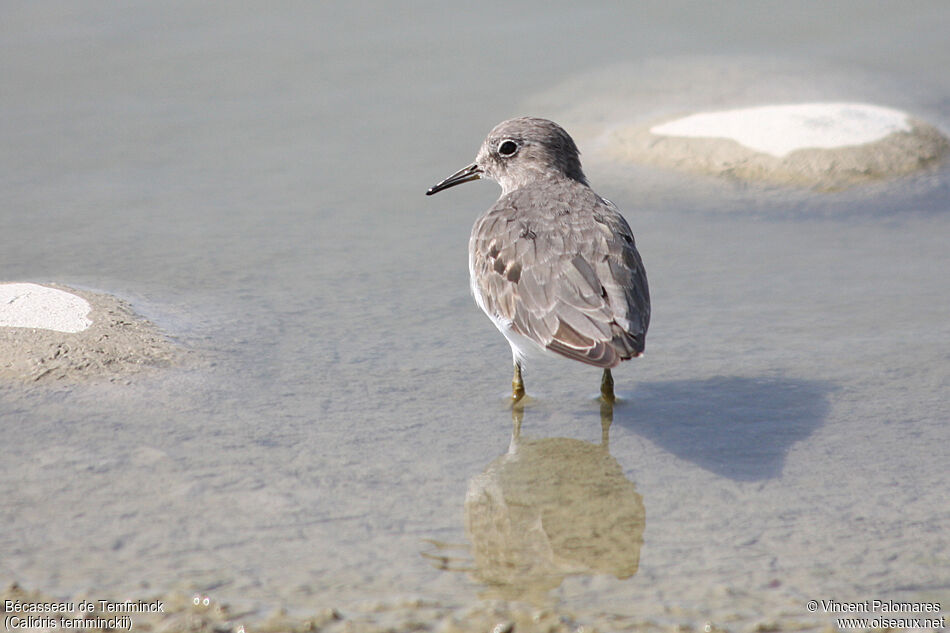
point(517, 385)
point(607, 387)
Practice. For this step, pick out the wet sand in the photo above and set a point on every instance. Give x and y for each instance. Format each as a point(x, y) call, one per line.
point(117, 344)
point(897, 154)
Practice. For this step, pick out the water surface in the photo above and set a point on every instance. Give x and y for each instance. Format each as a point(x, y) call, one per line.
point(252, 179)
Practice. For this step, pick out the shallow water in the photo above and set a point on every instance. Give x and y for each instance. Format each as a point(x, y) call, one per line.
point(252, 180)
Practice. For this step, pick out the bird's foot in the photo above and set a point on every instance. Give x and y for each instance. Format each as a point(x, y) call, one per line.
point(517, 385)
point(517, 392)
point(607, 388)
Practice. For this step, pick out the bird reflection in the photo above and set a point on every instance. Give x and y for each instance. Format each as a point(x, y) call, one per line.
point(550, 508)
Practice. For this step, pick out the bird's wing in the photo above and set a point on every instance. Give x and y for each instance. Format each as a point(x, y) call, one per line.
point(579, 291)
point(623, 275)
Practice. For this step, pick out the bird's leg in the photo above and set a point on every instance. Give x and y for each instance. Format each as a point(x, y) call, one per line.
point(517, 385)
point(607, 387)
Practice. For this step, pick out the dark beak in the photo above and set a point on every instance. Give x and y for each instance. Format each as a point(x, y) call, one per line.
point(472, 172)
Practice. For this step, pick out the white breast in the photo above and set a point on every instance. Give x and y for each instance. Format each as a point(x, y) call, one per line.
point(522, 347)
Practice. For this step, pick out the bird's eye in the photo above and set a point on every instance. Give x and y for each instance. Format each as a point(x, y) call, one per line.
point(508, 148)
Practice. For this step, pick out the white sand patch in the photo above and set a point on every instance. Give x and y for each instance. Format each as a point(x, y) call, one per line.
point(781, 129)
point(40, 307)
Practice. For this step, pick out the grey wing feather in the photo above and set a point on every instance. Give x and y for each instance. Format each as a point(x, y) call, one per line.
point(574, 283)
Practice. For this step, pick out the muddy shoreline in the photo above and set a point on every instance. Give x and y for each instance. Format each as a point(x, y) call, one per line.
point(117, 345)
point(196, 613)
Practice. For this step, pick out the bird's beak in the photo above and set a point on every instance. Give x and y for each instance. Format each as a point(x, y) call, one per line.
point(472, 172)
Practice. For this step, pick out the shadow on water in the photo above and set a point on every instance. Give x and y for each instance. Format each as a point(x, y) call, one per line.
point(740, 428)
point(547, 509)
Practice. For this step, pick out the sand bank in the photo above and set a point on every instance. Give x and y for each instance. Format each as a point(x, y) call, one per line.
point(826, 146)
point(55, 333)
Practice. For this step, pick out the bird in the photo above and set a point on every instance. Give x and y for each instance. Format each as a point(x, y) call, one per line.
point(553, 264)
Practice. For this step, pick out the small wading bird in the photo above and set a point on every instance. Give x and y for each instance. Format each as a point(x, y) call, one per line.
point(553, 264)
